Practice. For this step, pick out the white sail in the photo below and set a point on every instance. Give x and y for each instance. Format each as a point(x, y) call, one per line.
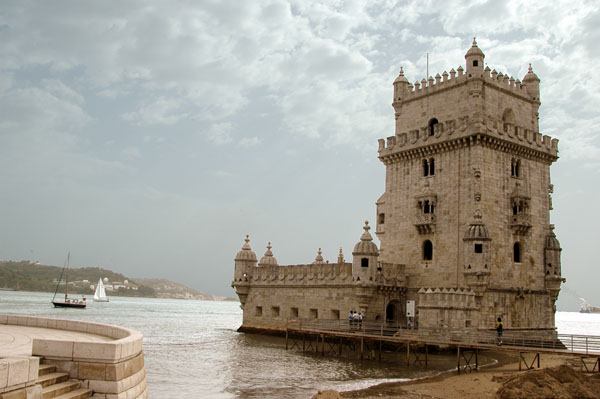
point(100, 294)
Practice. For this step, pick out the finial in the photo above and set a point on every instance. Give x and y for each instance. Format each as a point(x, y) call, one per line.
point(530, 68)
point(367, 227)
point(474, 42)
point(269, 245)
point(477, 214)
point(247, 238)
point(401, 71)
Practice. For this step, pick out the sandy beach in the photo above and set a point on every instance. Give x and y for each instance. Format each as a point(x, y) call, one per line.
point(484, 383)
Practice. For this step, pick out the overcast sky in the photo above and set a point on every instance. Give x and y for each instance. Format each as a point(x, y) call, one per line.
point(148, 137)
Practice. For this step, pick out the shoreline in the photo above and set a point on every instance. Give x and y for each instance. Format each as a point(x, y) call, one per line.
point(483, 383)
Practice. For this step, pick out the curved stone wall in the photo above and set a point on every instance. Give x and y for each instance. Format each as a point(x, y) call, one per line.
point(113, 369)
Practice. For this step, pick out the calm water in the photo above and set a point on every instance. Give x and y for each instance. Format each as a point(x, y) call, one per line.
point(192, 349)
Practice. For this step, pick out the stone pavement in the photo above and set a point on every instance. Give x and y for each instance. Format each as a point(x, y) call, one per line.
point(18, 340)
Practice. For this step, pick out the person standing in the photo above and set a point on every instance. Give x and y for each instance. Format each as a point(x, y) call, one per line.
point(499, 329)
point(350, 319)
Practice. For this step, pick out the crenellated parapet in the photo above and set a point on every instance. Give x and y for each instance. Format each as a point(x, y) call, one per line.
point(464, 131)
point(308, 274)
point(445, 81)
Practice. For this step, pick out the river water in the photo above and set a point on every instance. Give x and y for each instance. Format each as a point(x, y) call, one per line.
point(192, 349)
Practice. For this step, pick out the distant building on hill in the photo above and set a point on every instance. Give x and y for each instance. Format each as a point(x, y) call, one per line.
point(463, 224)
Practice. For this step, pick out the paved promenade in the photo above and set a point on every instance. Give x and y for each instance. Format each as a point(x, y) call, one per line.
point(17, 340)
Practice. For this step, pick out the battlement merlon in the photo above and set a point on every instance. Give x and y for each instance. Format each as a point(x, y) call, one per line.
point(464, 131)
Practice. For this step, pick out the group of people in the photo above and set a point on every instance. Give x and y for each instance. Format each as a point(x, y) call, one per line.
point(355, 319)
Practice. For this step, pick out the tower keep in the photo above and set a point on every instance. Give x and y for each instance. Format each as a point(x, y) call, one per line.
point(463, 224)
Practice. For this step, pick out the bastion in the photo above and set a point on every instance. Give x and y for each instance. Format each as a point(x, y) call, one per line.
point(46, 357)
point(463, 224)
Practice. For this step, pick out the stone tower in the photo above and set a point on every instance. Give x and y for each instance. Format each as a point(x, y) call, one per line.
point(467, 199)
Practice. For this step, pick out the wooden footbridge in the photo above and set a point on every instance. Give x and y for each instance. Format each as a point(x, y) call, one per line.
point(334, 337)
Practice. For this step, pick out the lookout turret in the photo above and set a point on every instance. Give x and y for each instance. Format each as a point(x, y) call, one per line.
point(364, 256)
point(474, 58)
point(245, 260)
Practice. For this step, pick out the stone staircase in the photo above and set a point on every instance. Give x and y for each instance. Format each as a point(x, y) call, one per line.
point(56, 385)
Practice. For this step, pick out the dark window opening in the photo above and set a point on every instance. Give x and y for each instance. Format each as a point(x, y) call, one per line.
point(294, 312)
point(517, 253)
point(431, 167)
point(425, 168)
point(427, 250)
point(549, 264)
point(432, 124)
point(515, 167)
point(478, 248)
point(381, 218)
point(364, 262)
point(426, 207)
point(475, 63)
point(514, 209)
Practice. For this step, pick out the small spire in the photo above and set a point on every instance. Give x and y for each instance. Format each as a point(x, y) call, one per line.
point(474, 42)
point(341, 256)
point(366, 236)
point(247, 244)
point(530, 69)
point(319, 258)
point(402, 71)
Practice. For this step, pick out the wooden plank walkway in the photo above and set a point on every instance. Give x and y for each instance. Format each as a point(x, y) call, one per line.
point(467, 343)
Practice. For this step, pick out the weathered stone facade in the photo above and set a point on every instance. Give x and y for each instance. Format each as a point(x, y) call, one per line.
point(463, 223)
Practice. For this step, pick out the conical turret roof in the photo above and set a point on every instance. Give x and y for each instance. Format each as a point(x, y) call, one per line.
point(366, 246)
point(246, 253)
point(268, 259)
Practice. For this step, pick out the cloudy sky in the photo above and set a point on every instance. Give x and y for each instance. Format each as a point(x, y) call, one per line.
point(148, 137)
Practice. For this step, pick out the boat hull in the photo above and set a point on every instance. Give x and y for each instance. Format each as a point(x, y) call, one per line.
point(68, 305)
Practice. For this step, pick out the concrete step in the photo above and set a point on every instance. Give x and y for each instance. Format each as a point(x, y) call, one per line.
point(52, 391)
point(52, 378)
point(80, 393)
point(46, 369)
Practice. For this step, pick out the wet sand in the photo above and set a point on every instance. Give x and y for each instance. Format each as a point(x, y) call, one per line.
point(450, 385)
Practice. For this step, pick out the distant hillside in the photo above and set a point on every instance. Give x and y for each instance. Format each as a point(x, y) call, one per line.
point(28, 276)
point(169, 289)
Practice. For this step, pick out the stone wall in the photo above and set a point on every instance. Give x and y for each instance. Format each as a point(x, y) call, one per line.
point(113, 370)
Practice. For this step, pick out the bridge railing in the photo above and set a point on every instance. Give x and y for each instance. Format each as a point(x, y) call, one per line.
point(527, 340)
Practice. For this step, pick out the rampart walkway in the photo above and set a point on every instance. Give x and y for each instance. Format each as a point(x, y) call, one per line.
point(331, 336)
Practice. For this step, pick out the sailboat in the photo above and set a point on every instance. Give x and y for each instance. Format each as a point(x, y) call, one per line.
point(68, 302)
point(100, 294)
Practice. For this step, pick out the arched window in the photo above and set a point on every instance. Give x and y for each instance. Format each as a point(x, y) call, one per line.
point(517, 253)
point(517, 167)
point(425, 168)
point(431, 166)
point(427, 250)
point(432, 124)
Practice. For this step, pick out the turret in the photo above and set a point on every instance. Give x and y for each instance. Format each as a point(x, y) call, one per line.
point(552, 252)
point(364, 257)
point(532, 84)
point(245, 260)
point(400, 87)
point(474, 59)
